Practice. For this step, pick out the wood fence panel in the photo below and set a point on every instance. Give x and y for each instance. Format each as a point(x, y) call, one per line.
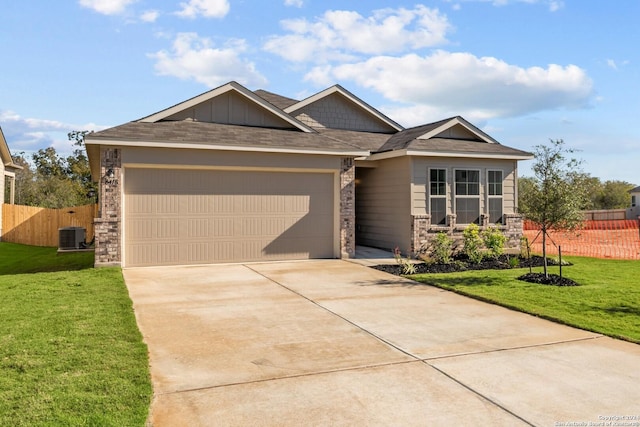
point(35, 226)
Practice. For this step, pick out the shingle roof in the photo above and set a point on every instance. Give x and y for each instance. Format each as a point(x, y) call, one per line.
point(635, 190)
point(279, 101)
point(448, 145)
point(202, 133)
point(404, 138)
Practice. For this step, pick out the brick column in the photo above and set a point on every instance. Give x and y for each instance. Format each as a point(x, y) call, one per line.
point(514, 230)
point(108, 230)
point(347, 208)
point(419, 229)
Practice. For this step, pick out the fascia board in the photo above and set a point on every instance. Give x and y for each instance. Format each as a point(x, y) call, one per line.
point(155, 144)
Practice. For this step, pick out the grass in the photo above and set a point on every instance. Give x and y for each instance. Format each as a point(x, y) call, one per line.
point(70, 349)
point(607, 302)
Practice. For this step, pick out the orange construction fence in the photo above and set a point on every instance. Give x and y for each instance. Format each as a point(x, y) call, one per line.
point(617, 239)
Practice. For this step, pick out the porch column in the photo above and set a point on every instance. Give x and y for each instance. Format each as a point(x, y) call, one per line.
point(347, 208)
point(419, 228)
point(108, 229)
point(514, 230)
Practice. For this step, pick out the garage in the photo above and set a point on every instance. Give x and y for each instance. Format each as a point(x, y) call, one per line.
point(189, 216)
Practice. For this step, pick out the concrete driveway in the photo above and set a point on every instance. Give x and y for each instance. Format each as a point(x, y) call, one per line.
point(330, 342)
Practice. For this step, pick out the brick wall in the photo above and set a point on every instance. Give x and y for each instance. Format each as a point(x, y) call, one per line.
point(422, 231)
point(347, 208)
point(108, 227)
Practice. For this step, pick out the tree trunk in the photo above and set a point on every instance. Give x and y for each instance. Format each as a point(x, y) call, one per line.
point(544, 251)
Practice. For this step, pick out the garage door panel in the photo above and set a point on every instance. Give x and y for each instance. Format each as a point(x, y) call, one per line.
point(226, 216)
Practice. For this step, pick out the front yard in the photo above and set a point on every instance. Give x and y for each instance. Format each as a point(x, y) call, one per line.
point(607, 302)
point(70, 349)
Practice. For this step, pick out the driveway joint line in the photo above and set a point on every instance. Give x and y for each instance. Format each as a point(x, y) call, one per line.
point(286, 377)
point(317, 304)
point(497, 350)
point(477, 393)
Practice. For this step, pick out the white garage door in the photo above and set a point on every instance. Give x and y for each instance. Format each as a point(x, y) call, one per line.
point(211, 216)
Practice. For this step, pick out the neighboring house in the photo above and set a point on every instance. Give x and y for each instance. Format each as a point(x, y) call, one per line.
point(234, 175)
point(634, 211)
point(7, 176)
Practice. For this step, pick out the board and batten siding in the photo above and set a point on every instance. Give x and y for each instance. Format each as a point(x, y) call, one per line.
point(383, 205)
point(420, 181)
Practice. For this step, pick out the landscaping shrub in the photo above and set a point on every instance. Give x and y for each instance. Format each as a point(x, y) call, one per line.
point(472, 243)
point(441, 248)
point(494, 241)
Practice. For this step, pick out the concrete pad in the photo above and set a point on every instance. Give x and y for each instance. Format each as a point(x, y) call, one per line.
point(408, 394)
point(422, 320)
point(579, 382)
point(216, 325)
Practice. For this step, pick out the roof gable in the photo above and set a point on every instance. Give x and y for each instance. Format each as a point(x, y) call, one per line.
point(279, 101)
point(230, 104)
point(457, 128)
point(337, 108)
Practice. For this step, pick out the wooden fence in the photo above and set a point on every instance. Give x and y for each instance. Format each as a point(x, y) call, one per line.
point(34, 226)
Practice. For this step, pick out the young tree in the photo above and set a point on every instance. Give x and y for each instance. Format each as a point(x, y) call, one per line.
point(557, 195)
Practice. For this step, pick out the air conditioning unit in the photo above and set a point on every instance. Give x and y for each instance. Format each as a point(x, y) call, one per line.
point(71, 238)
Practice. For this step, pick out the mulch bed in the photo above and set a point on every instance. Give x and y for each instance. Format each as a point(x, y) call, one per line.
point(502, 263)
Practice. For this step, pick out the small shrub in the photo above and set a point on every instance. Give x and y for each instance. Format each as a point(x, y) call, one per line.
point(441, 248)
point(494, 241)
point(525, 248)
point(408, 267)
point(472, 246)
point(514, 262)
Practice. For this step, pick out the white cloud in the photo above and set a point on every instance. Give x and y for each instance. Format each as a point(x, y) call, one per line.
point(206, 8)
point(107, 7)
point(296, 3)
point(30, 134)
point(195, 57)
point(341, 34)
point(461, 83)
point(553, 5)
point(149, 16)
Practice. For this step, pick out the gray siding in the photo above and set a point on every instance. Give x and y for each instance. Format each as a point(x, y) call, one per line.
point(421, 166)
point(336, 112)
point(383, 205)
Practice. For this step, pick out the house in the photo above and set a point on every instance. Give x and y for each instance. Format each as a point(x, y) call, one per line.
point(7, 176)
point(235, 175)
point(634, 211)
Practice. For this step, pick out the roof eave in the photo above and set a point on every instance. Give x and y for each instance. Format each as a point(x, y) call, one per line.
point(241, 148)
point(421, 153)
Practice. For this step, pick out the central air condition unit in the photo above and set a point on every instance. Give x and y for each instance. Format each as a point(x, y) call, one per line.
point(71, 238)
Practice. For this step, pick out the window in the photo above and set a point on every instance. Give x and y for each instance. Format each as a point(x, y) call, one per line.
point(438, 196)
point(633, 201)
point(494, 195)
point(467, 196)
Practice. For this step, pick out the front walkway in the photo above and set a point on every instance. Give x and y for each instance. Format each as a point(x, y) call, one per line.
point(329, 342)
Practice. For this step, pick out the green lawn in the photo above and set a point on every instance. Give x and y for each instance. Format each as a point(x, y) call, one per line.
point(70, 349)
point(608, 300)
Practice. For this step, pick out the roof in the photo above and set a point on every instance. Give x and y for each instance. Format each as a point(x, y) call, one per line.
point(178, 134)
point(170, 128)
point(635, 190)
point(5, 154)
point(279, 101)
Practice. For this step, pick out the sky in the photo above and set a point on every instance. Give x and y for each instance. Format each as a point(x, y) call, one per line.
point(524, 71)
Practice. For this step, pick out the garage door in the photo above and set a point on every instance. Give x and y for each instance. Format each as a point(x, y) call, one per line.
point(197, 216)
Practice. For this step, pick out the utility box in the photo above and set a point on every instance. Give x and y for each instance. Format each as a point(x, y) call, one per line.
point(71, 238)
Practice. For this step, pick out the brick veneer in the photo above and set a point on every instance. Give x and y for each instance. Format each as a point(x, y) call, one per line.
point(347, 208)
point(422, 231)
point(108, 229)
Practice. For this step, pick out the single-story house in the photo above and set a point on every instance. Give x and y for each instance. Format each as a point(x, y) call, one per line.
point(633, 212)
point(236, 175)
point(7, 176)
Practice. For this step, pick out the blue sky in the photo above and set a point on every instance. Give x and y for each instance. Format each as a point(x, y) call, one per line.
point(525, 71)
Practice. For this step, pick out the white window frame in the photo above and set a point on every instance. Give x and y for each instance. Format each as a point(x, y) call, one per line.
point(438, 196)
point(500, 196)
point(465, 196)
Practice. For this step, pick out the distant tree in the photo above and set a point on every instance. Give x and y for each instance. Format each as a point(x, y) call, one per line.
point(594, 191)
point(556, 194)
point(615, 195)
point(52, 181)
